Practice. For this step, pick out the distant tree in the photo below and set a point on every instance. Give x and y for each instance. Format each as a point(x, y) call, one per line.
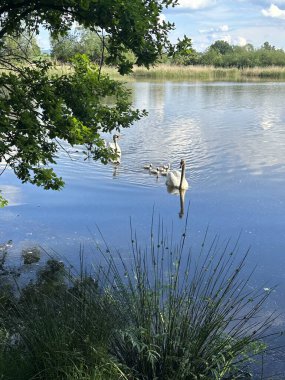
point(221, 54)
point(80, 41)
point(19, 47)
point(222, 47)
point(248, 47)
point(92, 45)
point(267, 46)
point(184, 54)
point(211, 57)
point(63, 48)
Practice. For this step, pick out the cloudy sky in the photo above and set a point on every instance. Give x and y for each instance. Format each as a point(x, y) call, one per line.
point(235, 21)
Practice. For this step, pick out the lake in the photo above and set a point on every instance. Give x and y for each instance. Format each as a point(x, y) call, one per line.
point(232, 136)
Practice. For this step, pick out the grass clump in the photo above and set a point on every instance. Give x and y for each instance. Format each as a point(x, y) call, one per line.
point(31, 255)
point(159, 312)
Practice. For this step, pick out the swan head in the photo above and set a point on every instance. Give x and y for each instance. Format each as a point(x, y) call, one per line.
point(182, 163)
point(116, 137)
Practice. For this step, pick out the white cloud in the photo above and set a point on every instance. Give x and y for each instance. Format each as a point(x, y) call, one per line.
point(205, 31)
point(221, 28)
point(232, 40)
point(196, 4)
point(224, 28)
point(241, 41)
point(226, 38)
point(274, 11)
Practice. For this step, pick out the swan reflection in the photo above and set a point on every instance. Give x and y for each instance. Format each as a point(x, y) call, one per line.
point(181, 193)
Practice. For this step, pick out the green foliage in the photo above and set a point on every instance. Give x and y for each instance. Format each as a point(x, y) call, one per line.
point(221, 47)
point(130, 24)
point(222, 54)
point(211, 57)
point(39, 113)
point(55, 331)
point(184, 54)
point(3, 201)
point(15, 48)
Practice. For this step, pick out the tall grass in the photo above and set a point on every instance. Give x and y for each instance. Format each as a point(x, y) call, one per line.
point(155, 312)
point(192, 73)
point(209, 73)
point(195, 73)
point(270, 72)
point(187, 319)
point(180, 72)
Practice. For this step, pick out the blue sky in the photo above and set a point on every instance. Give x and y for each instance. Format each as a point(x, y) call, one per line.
point(235, 21)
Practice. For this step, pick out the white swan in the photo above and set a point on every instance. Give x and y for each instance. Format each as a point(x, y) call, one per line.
point(115, 146)
point(176, 178)
point(148, 166)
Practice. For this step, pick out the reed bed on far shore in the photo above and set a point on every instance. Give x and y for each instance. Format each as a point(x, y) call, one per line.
point(192, 73)
point(271, 72)
point(188, 73)
point(209, 73)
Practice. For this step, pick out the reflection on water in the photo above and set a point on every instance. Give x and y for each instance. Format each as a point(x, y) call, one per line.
point(181, 194)
point(13, 194)
point(232, 136)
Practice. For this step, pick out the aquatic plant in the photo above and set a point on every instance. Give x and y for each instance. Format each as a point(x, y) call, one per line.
point(189, 316)
point(161, 311)
point(204, 73)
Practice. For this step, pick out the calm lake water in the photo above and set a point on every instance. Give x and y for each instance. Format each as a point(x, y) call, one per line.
point(232, 136)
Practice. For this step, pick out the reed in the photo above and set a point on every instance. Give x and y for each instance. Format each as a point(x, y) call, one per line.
point(179, 72)
point(158, 311)
point(274, 72)
point(189, 316)
point(209, 73)
point(192, 73)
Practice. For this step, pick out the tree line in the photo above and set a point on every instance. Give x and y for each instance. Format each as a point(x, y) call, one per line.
point(222, 54)
point(95, 46)
point(219, 54)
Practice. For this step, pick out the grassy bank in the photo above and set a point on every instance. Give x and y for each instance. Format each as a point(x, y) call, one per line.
point(156, 312)
point(197, 73)
point(209, 73)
